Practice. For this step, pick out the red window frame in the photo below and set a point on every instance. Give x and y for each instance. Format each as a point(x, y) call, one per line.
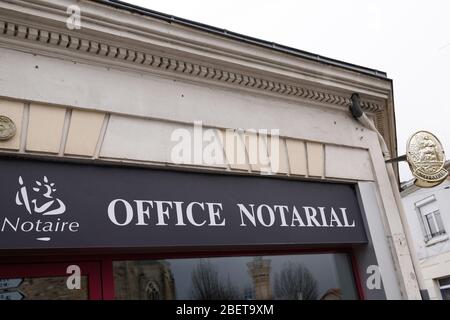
point(56, 269)
point(100, 268)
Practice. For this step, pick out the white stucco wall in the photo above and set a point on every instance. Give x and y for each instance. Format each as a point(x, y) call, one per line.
point(434, 254)
point(442, 195)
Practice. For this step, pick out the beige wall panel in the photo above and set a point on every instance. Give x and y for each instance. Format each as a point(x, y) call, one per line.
point(206, 146)
point(45, 128)
point(137, 139)
point(220, 140)
point(84, 131)
point(256, 146)
point(235, 150)
point(296, 150)
point(278, 155)
point(14, 111)
point(316, 159)
point(347, 163)
point(157, 141)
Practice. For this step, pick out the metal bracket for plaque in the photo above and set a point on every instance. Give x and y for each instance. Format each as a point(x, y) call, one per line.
point(398, 159)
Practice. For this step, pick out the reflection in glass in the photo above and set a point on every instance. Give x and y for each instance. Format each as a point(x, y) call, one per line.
point(295, 282)
point(143, 280)
point(207, 284)
point(289, 277)
point(43, 288)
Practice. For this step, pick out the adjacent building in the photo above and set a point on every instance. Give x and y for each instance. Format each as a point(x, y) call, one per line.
point(428, 213)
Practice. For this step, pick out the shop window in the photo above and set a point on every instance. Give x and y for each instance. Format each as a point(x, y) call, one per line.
point(42, 288)
point(444, 285)
point(431, 218)
point(287, 277)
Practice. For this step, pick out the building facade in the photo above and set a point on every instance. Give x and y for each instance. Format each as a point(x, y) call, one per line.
point(429, 220)
point(105, 106)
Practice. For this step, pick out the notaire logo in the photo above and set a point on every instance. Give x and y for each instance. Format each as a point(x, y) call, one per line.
point(39, 200)
point(49, 206)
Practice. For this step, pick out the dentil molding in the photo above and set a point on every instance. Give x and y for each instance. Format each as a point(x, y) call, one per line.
point(74, 43)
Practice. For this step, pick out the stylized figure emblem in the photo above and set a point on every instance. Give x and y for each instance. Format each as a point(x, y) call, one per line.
point(41, 200)
point(426, 159)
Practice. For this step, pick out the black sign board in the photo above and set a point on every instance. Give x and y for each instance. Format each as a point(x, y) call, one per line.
point(66, 205)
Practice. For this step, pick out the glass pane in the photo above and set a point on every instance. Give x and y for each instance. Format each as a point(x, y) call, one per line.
point(45, 288)
point(293, 277)
point(431, 224)
point(444, 282)
point(440, 225)
point(445, 294)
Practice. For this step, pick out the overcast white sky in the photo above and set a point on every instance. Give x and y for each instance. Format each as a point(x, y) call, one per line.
point(410, 40)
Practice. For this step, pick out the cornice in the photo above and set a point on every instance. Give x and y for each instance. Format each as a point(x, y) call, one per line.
point(48, 39)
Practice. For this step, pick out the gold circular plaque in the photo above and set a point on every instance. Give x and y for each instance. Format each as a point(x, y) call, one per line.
point(426, 159)
point(7, 128)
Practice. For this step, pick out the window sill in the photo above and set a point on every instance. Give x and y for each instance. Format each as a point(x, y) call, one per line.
point(435, 240)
